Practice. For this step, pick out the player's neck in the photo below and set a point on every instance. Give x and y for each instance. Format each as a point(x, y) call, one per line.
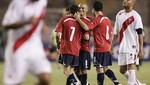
point(127, 10)
point(98, 13)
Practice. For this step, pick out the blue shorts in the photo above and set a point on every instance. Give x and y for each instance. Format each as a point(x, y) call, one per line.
point(102, 59)
point(68, 60)
point(84, 61)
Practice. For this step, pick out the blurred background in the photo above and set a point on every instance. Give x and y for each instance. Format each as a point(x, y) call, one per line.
point(55, 10)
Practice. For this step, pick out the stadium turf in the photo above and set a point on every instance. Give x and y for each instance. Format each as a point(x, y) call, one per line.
point(58, 78)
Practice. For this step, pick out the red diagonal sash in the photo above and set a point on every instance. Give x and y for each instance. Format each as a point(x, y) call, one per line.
point(125, 26)
point(28, 34)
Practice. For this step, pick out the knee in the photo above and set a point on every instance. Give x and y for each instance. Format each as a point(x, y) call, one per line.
point(67, 72)
point(99, 70)
point(44, 79)
point(122, 70)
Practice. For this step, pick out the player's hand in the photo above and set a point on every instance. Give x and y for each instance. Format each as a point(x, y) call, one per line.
point(34, 21)
point(76, 15)
point(86, 36)
point(111, 51)
point(141, 54)
point(58, 51)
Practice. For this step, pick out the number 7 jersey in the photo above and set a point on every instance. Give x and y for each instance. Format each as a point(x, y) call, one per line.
point(71, 35)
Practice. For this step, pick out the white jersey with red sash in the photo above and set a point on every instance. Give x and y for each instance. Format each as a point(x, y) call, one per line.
point(24, 50)
point(125, 26)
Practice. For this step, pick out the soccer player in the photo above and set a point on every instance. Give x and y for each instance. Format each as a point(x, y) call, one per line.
point(71, 29)
point(24, 51)
point(84, 55)
point(129, 27)
point(102, 43)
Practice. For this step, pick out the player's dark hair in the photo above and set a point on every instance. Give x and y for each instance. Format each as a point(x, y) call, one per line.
point(74, 9)
point(67, 9)
point(98, 6)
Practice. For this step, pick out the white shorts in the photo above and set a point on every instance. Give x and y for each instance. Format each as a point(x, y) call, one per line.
point(127, 58)
point(17, 65)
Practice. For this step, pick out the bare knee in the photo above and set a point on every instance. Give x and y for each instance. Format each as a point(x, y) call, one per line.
point(68, 70)
point(44, 79)
point(123, 69)
point(99, 70)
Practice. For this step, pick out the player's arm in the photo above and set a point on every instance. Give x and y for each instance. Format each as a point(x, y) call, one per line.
point(140, 35)
point(86, 36)
point(114, 39)
point(58, 37)
point(19, 24)
point(82, 24)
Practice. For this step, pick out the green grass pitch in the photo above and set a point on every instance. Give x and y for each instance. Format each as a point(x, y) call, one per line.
point(58, 78)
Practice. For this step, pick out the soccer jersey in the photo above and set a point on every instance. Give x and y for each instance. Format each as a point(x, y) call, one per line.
point(85, 43)
point(125, 26)
point(102, 34)
point(24, 50)
point(71, 34)
point(28, 33)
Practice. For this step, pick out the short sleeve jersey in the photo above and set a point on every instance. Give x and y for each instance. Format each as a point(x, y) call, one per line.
point(85, 46)
point(125, 26)
point(71, 35)
point(27, 34)
point(102, 34)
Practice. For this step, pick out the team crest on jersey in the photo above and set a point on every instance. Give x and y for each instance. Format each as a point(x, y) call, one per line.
point(120, 13)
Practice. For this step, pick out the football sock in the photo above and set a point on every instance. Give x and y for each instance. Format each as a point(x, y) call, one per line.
point(84, 79)
point(80, 77)
point(126, 74)
point(112, 76)
point(100, 78)
point(72, 79)
point(132, 77)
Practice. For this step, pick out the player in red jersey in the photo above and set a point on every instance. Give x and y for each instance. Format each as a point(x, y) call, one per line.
point(102, 34)
point(84, 56)
point(71, 29)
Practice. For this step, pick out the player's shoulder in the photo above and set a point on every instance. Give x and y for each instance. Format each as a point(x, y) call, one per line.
point(136, 14)
point(120, 12)
point(68, 18)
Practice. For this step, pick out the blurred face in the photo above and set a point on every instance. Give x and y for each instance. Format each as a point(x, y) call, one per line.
point(128, 3)
point(67, 13)
point(83, 9)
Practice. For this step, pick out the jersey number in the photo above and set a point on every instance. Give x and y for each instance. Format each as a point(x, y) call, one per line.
point(72, 33)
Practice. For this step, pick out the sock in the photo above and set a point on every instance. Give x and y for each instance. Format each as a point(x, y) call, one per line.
point(100, 78)
point(132, 77)
point(126, 74)
point(72, 79)
point(79, 77)
point(112, 76)
point(84, 79)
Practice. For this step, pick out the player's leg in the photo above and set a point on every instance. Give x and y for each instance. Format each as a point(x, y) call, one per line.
point(15, 68)
point(100, 75)
point(41, 68)
point(71, 76)
point(78, 72)
point(69, 62)
point(127, 67)
point(97, 61)
point(111, 75)
point(85, 64)
point(109, 72)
